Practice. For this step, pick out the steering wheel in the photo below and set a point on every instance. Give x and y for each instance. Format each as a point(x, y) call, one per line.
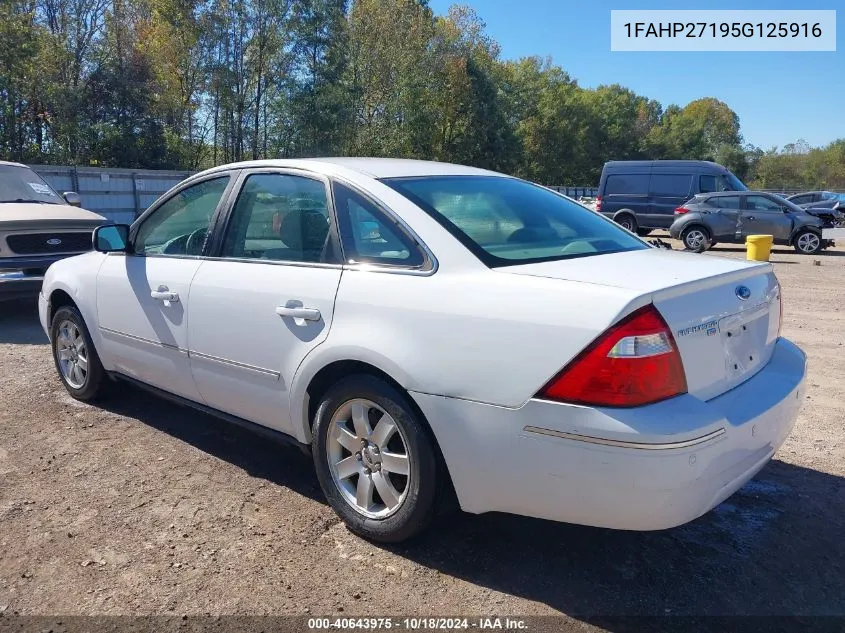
point(195, 241)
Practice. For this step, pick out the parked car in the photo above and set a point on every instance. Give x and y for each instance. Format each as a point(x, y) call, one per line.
point(817, 199)
point(642, 195)
point(731, 217)
point(37, 228)
point(421, 327)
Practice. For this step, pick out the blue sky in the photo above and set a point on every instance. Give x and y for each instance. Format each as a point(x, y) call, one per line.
point(780, 97)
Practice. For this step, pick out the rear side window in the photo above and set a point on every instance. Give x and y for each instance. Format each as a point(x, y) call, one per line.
point(369, 236)
point(725, 202)
point(670, 184)
point(626, 184)
point(801, 199)
point(506, 221)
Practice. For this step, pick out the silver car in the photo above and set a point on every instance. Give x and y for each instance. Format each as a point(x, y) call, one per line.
point(731, 216)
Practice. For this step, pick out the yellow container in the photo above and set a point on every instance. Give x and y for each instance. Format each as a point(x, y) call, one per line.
point(758, 247)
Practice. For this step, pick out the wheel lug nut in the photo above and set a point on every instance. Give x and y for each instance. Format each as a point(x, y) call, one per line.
point(358, 456)
point(375, 449)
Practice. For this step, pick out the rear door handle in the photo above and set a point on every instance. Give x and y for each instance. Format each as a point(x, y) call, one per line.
point(750, 217)
point(163, 294)
point(306, 314)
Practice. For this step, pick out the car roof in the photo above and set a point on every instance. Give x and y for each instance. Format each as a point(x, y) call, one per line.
point(372, 167)
point(6, 163)
point(662, 163)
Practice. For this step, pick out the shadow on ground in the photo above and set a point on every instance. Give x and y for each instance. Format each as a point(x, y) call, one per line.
point(777, 547)
point(19, 323)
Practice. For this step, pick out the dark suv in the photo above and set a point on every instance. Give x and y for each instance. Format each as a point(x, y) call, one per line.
point(731, 217)
point(642, 195)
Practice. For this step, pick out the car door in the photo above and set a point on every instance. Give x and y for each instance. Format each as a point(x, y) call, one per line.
point(721, 215)
point(666, 193)
point(142, 295)
point(267, 296)
point(763, 216)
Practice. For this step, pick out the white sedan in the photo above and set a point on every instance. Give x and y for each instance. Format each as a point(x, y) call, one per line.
point(422, 327)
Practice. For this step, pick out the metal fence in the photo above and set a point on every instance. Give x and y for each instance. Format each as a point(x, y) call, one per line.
point(118, 194)
point(577, 192)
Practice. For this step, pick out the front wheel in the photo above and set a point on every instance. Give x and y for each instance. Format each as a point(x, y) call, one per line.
point(375, 460)
point(76, 359)
point(807, 243)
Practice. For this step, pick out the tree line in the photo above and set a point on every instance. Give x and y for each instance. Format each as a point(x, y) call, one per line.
point(185, 84)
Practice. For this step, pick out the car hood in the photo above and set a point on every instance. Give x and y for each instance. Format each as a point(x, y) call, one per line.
point(16, 215)
point(646, 270)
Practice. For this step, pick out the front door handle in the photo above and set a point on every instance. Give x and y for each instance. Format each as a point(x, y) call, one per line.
point(750, 217)
point(164, 294)
point(306, 314)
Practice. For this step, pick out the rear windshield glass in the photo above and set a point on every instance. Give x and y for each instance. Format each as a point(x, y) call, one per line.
point(506, 221)
point(21, 184)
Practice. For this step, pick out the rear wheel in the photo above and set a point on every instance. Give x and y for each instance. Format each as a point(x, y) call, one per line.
point(696, 239)
point(627, 221)
point(375, 460)
point(807, 242)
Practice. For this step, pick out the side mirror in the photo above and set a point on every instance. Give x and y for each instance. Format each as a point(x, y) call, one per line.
point(72, 198)
point(111, 238)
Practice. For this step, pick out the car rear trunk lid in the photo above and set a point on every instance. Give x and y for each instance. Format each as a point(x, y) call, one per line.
point(723, 313)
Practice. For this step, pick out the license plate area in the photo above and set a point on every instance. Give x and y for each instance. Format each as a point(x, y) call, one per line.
point(744, 337)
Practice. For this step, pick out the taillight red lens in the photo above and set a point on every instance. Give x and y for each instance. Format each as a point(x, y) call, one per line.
point(598, 203)
point(634, 362)
point(681, 211)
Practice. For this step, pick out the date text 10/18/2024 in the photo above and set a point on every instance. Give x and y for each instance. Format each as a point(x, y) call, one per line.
point(419, 623)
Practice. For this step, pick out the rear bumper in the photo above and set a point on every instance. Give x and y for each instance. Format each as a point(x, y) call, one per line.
point(648, 468)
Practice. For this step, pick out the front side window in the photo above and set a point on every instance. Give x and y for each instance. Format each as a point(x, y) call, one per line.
point(801, 199)
point(506, 221)
point(369, 235)
point(180, 226)
point(708, 183)
point(761, 203)
point(280, 217)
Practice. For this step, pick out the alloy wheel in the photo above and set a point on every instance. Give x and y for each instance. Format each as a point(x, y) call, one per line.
point(808, 243)
point(72, 354)
point(695, 239)
point(368, 458)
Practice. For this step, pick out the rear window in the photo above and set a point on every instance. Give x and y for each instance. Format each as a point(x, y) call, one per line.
point(506, 221)
point(725, 202)
point(626, 183)
point(670, 184)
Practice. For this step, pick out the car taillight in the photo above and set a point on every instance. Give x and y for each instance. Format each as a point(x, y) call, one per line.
point(681, 211)
point(598, 203)
point(634, 362)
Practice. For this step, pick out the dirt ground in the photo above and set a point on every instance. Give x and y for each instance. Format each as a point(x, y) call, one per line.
point(143, 507)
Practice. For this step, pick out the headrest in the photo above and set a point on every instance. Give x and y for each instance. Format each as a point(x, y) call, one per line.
point(304, 230)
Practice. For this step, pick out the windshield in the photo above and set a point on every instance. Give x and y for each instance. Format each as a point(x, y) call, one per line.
point(506, 221)
point(21, 184)
point(733, 183)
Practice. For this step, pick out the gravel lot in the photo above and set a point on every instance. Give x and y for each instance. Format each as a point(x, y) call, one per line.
point(143, 507)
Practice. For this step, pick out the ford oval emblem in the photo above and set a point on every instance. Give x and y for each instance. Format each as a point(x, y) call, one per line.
point(743, 292)
point(54, 241)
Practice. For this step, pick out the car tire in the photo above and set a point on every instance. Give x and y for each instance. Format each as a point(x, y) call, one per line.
point(76, 359)
point(370, 493)
point(626, 221)
point(643, 232)
point(696, 238)
point(807, 242)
